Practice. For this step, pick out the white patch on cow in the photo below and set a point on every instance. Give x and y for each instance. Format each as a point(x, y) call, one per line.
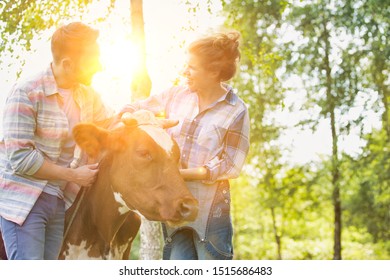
point(139, 213)
point(79, 252)
point(159, 135)
point(117, 252)
point(123, 208)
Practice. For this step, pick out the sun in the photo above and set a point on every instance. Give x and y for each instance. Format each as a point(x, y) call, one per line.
point(120, 59)
point(166, 34)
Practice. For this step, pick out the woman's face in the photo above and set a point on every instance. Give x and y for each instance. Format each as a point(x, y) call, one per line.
point(198, 77)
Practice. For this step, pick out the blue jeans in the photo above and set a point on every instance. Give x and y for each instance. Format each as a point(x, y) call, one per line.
point(185, 244)
point(40, 236)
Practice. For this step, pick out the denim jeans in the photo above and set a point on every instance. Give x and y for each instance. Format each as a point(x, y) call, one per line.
point(185, 243)
point(40, 236)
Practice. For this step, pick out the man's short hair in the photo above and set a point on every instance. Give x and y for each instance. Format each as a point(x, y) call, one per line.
point(72, 40)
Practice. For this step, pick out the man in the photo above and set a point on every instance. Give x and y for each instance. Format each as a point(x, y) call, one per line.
point(37, 149)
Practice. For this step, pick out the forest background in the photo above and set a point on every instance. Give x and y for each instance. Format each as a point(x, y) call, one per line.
point(315, 75)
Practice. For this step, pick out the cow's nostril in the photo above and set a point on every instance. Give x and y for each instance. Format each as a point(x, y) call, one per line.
point(185, 209)
point(189, 209)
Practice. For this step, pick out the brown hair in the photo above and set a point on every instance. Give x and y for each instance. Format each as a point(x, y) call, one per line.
point(218, 52)
point(72, 39)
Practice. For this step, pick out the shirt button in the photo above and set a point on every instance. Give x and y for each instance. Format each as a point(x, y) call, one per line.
point(224, 191)
point(169, 239)
point(226, 201)
point(184, 155)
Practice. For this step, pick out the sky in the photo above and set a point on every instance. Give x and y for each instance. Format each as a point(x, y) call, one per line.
point(168, 28)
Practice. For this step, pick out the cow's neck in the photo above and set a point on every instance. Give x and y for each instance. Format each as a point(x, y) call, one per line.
point(104, 208)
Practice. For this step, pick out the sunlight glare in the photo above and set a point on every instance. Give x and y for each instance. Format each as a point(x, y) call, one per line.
point(120, 59)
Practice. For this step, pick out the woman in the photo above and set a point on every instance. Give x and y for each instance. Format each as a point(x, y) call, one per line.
point(213, 136)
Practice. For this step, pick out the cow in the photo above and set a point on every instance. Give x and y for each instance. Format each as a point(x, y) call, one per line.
point(138, 174)
point(3, 255)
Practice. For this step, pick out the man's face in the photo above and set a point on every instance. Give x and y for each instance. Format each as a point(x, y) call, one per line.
point(87, 65)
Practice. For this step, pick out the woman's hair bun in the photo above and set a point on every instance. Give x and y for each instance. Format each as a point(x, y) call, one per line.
point(228, 43)
point(219, 52)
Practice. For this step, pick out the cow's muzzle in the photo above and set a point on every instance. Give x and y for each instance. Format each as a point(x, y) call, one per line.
point(187, 211)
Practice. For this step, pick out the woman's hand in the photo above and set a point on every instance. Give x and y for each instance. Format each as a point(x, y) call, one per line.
point(198, 173)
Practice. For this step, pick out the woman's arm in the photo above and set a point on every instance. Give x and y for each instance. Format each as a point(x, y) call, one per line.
point(199, 173)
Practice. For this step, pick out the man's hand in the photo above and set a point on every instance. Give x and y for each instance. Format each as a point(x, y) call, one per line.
point(85, 175)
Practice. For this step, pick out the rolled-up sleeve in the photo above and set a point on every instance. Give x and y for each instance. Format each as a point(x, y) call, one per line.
point(228, 163)
point(154, 103)
point(19, 124)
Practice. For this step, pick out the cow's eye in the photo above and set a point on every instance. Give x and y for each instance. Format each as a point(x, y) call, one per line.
point(144, 154)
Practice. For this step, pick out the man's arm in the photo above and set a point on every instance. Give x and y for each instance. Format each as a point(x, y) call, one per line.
point(84, 175)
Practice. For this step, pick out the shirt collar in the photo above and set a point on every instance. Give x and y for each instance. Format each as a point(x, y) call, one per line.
point(49, 82)
point(230, 97)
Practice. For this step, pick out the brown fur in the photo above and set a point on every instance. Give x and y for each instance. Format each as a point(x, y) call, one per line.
point(146, 177)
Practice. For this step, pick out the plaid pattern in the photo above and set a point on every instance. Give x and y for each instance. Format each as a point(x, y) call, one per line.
point(217, 138)
point(34, 129)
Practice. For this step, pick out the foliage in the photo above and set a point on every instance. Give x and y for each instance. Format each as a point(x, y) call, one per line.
point(22, 20)
point(304, 213)
point(368, 202)
point(335, 52)
point(301, 207)
point(369, 20)
point(257, 82)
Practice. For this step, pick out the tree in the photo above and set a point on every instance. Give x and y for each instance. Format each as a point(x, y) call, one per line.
point(369, 20)
point(141, 83)
point(368, 204)
point(258, 85)
point(314, 59)
point(150, 232)
point(333, 62)
point(334, 41)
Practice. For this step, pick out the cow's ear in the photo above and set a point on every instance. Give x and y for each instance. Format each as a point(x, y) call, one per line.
point(90, 138)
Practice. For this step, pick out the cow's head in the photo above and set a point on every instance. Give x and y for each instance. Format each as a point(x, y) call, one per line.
point(143, 172)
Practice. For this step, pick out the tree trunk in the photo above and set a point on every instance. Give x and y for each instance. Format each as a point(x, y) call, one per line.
point(141, 83)
point(336, 191)
point(277, 236)
point(386, 113)
point(335, 161)
point(383, 90)
point(151, 242)
point(150, 232)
